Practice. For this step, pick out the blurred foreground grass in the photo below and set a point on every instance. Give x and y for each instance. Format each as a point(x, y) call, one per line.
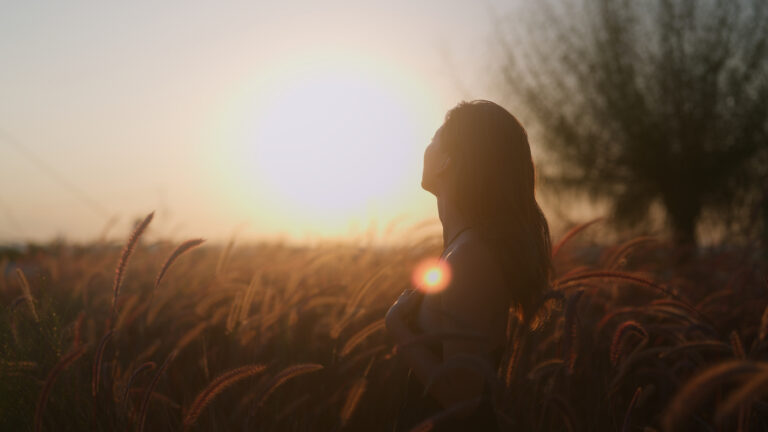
point(624, 341)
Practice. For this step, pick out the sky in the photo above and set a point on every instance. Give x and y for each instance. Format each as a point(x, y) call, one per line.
point(291, 120)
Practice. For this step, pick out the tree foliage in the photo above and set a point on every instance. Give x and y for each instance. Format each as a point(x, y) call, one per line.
point(658, 101)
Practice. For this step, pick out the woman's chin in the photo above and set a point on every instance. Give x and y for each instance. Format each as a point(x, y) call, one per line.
point(426, 186)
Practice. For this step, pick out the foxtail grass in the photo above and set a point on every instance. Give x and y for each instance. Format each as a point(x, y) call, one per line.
point(354, 395)
point(60, 366)
point(216, 386)
point(97, 359)
point(283, 376)
point(151, 388)
point(27, 293)
point(123, 262)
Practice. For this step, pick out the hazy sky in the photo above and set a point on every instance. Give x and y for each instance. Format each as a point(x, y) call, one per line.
point(225, 116)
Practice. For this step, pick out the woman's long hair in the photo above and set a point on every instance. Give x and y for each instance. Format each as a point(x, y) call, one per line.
point(494, 186)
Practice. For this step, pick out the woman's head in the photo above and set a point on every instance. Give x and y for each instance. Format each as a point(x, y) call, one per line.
point(481, 159)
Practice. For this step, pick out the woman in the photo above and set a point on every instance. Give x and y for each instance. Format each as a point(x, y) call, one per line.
point(497, 246)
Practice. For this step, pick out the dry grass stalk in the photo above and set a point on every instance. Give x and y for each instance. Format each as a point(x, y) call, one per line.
point(753, 389)
point(97, 359)
point(698, 387)
point(62, 364)
point(16, 302)
point(224, 257)
point(190, 335)
point(707, 345)
point(613, 314)
point(285, 375)
point(151, 388)
point(543, 367)
point(126, 309)
point(155, 396)
point(293, 406)
point(124, 257)
point(627, 416)
point(514, 320)
point(319, 301)
point(217, 386)
point(565, 411)
point(610, 274)
point(361, 335)
point(675, 303)
point(180, 249)
point(623, 250)
point(763, 334)
point(669, 311)
point(619, 338)
point(250, 292)
point(148, 366)
point(360, 295)
point(233, 311)
point(351, 309)
point(27, 293)
point(517, 342)
point(340, 324)
point(542, 315)
point(266, 306)
point(637, 356)
point(717, 296)
point(572, 232)
point(570, 330)
point(370, 354)
point(210, 300)
point(148, 351)
point(738, 348)
point(77, 329)
point(354, 395)
point(447, 414)
point(567, 282)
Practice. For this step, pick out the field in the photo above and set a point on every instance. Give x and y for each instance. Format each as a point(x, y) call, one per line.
point(161, 336)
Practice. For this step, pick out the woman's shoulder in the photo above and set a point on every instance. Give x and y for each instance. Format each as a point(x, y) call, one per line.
point(475, 269)
point(473, 252)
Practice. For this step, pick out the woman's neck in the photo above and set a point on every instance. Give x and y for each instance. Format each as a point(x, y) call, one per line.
point(452, 220)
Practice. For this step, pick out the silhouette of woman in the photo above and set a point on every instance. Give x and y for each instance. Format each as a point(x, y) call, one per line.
point(497, 246)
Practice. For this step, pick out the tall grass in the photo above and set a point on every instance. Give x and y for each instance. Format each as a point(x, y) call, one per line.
point(272, 337)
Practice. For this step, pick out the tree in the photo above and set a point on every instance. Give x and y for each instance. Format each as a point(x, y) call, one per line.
point(655, 101)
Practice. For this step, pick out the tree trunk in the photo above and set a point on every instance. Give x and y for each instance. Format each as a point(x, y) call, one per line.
point(683, 215)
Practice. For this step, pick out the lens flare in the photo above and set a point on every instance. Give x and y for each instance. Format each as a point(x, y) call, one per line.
point(431, 275)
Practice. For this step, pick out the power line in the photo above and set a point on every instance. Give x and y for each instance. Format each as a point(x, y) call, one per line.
point(55, 174)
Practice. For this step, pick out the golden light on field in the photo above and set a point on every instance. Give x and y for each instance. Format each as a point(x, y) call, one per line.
point(331, 139)
point(431, 275)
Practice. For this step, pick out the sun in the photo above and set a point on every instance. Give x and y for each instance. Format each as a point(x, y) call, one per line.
point(332, 140)
point(323, 141)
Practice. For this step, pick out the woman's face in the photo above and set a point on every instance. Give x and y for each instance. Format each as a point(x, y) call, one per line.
point(435, 162)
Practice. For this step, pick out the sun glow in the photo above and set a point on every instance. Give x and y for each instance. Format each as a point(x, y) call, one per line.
point(328, 141)
point(431, 275)
point(331, 142)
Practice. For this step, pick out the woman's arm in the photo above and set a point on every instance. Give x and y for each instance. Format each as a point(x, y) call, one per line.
point(468, 305)
point(446, 388)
